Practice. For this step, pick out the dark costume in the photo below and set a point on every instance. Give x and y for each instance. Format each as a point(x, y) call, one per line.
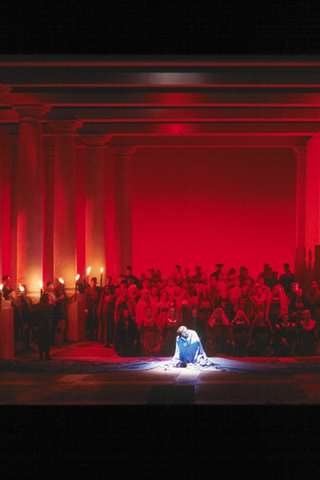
point(60, 313)
point(244, 304)
point(278, 305)
point(91, 326)
point(240, 332)
point(149, 337)
point(43, 320)
point(285, 339)
point(204, 313)
point(105, 313)
point(261, 338)
point(285, 280)
point(297, 305)
point(218, 334)
point(6, 290)
point(226, 306)
point(169, 336)
point(28, 324)
point(307, 339)
point(126, 339)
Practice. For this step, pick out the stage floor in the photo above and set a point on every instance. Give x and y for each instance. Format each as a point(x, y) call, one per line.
point(60, 382)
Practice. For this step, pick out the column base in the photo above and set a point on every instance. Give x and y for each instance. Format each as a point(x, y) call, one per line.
point(6, 331)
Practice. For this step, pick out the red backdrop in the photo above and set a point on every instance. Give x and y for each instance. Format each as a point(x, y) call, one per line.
point(205, 206)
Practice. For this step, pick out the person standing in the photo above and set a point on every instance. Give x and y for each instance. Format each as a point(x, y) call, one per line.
point(43, 319)
point(91, 299)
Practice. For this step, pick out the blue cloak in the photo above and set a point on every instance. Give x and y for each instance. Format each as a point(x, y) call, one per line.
point(189, 351)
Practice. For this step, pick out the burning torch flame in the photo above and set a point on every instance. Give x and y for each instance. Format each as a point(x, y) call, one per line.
point(61, 280)
point(88, 270)
point(41, 284)
point(1, 287)
point(101, 270)
point(77, 277)
point(21, 288)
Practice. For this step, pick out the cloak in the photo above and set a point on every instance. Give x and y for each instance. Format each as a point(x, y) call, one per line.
point(190, 351)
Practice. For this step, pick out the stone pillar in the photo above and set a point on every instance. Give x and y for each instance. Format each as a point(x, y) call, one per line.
point(5, 195)
point(300, 260)
point(30, 197)
point(6, 330)
point(49, 213)
point(14, 212)
point(64, 228)
point(95, 204)
point(5, 200)
point(123, 209)
point(312, 203)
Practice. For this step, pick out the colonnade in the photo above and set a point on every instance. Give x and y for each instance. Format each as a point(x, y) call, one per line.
point(40, 235)
point(49, 230)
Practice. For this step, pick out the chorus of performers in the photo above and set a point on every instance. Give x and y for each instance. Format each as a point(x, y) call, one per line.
point(38, 325)
point(232, 314)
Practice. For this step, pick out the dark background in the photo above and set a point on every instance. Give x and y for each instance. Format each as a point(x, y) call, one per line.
point(231, 27)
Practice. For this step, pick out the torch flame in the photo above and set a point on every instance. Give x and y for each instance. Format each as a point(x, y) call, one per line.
point(77, 277)
point(1, 287)
point(61, 280)
point(88, 270)
point(101, 270)
point(41, 284)
point(21, 288)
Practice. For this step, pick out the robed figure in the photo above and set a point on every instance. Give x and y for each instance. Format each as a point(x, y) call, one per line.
point(189, 350)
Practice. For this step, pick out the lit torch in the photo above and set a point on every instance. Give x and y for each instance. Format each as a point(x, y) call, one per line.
point(101, 272)
point(88, 273)
point(77, 278)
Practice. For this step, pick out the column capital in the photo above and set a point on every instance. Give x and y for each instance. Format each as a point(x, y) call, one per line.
point(65, 127)
point(4, 89)
point(31, 111)
point(123, 151)
point(300, 151)
point(95, 140)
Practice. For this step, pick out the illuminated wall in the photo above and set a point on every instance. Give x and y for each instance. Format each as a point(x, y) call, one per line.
point(203, 206)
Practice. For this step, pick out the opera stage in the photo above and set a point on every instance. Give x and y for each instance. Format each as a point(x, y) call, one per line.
point(79, 375)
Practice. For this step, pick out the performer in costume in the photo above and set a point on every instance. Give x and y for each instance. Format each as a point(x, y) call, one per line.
point(240, 332)
point(126, 339)
point(189, 350)
point(105, 313)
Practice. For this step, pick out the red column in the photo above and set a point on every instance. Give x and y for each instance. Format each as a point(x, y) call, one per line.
point(64, 228)
point(123, 209)
point(95, 204)
point(30, 196)
point(14, 212)
point(110, 212)
point(312, 202)
point(48, 213)
point(300, 261)
point(5, 194)
point(5, 200)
